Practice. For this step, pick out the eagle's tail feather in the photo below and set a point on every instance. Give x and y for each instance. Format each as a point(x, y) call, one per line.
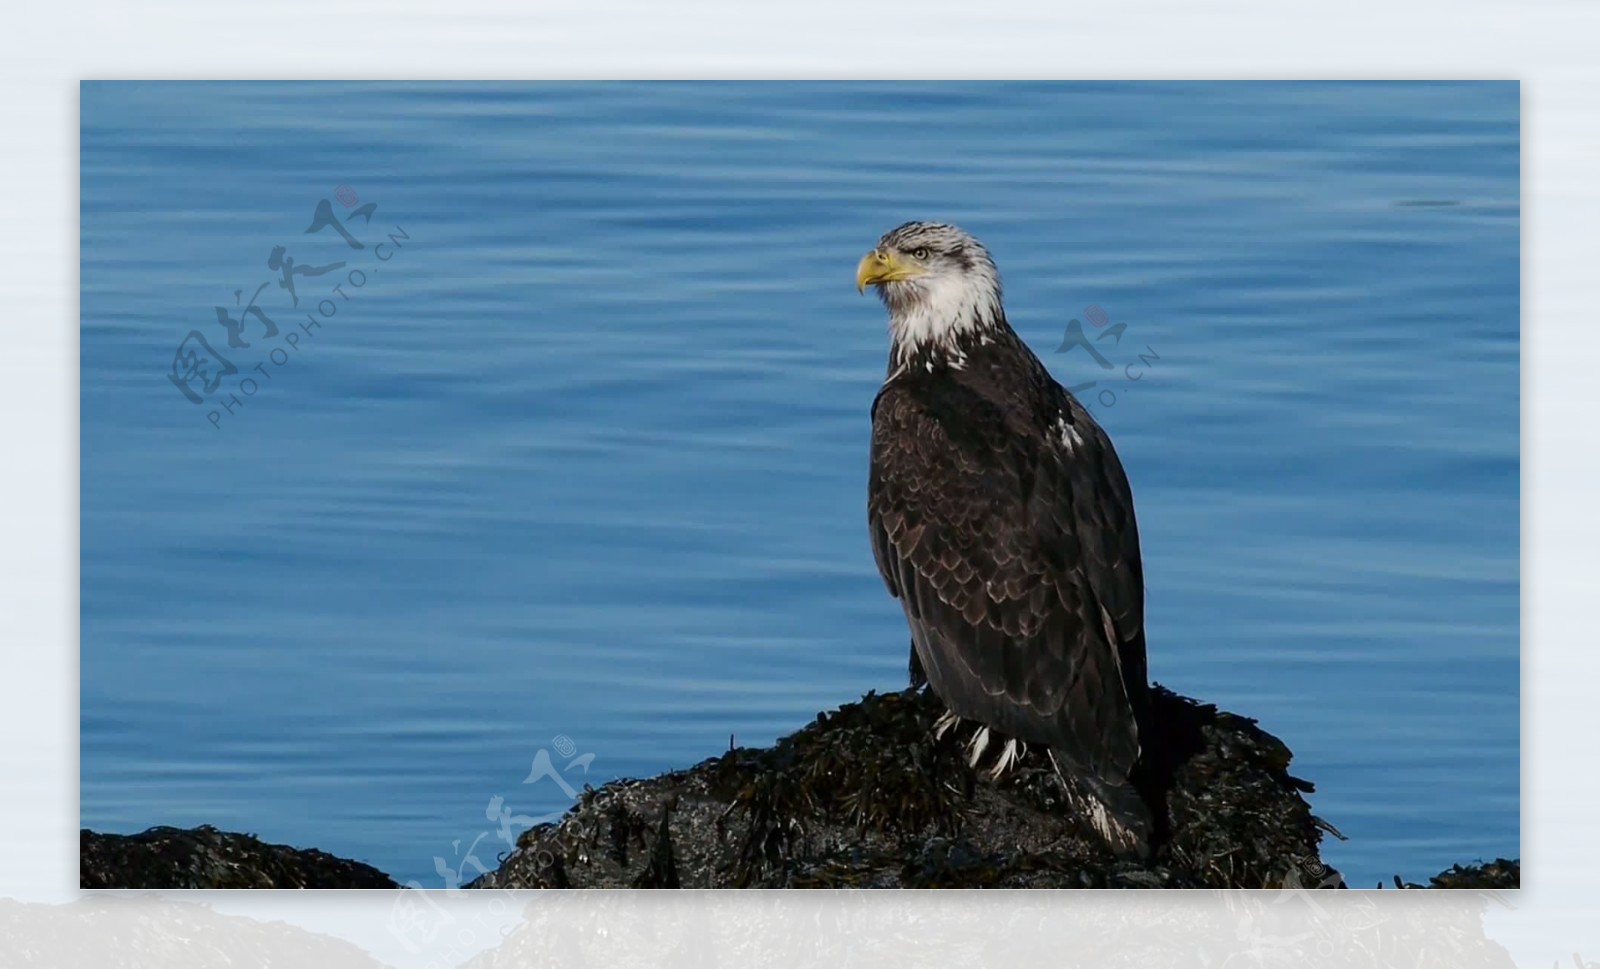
point(1115, 810)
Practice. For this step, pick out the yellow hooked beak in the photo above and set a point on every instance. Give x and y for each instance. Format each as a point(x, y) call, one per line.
point(884, 266)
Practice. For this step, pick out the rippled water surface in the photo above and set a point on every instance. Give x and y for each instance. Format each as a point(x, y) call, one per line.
point(583, 460)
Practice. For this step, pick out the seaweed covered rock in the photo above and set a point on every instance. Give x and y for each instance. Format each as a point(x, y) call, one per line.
point(866, 796)
point(206, 858)
point(1499, 874)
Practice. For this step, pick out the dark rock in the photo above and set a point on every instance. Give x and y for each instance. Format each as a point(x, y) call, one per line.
point(1499, 874)
point(865, 796)
point(205, 858)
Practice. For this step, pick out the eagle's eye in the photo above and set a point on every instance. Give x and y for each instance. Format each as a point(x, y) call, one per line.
point(920, 253)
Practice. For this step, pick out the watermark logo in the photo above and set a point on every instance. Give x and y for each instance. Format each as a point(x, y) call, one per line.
point(1137, 363)
point(418, 920)
point(206, 376)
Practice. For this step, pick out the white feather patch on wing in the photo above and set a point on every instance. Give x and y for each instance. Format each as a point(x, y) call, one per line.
point(1070, 439)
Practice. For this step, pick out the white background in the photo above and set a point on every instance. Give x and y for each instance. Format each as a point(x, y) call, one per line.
point(46, 48)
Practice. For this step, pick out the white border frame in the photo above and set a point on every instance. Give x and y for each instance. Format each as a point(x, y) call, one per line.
point(47, 48)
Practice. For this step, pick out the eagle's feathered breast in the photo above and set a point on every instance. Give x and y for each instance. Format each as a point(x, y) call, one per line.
point(1003, 521)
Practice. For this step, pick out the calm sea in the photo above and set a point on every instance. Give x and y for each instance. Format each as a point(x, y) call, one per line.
point(569, 454)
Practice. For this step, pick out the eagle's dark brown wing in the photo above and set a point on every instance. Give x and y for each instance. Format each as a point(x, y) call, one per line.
point(1012, 546)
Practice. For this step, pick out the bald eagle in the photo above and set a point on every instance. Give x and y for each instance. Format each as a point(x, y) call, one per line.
point(1003, 522)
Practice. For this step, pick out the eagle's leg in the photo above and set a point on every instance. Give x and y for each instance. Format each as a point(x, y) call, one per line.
point(1113, 810)
point(1010, 756)
point(1011, 751)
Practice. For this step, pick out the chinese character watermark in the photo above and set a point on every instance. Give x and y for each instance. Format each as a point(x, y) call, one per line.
point(202, 373)
point(417, 918)
point(1104, 390)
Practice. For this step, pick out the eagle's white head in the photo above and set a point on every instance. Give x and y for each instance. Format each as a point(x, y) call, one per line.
point(938, 282)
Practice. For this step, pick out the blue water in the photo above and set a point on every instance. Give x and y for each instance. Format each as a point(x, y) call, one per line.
point(580, 465)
